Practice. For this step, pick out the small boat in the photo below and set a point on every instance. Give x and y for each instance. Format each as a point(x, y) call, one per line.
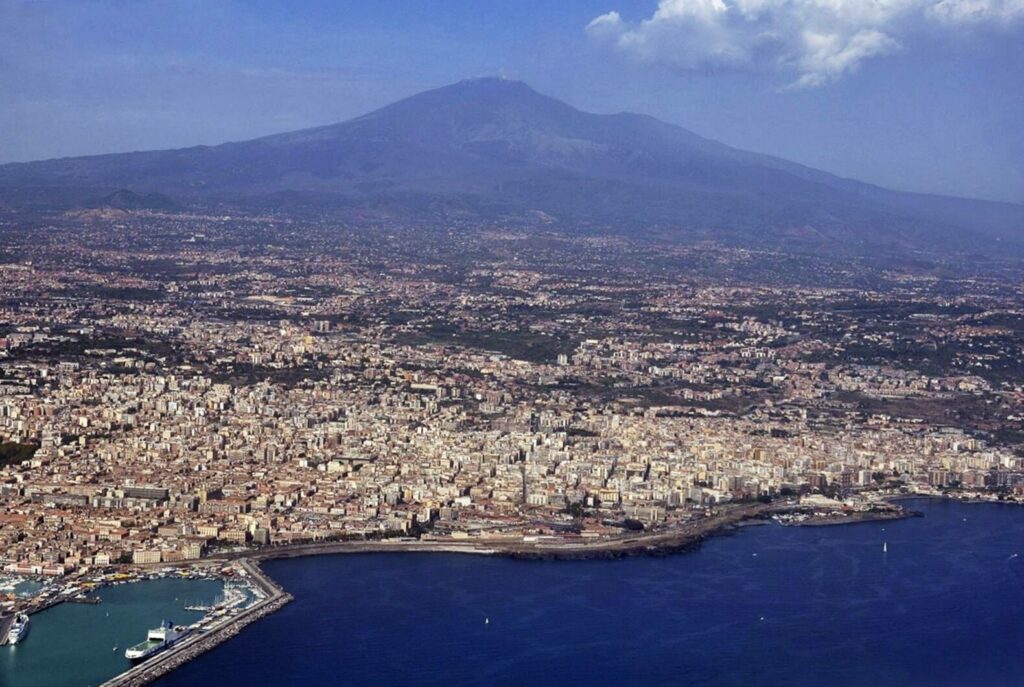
point(487, 621)
point(885, 547)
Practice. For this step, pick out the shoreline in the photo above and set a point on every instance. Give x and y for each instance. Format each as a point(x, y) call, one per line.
point(684, 538)
point(681, 538)
point(854, 519)
point(965, 498)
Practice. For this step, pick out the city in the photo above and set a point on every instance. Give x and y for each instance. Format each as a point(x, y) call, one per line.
point(185, 397)
point(672, 342)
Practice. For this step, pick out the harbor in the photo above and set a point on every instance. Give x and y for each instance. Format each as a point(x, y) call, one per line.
point(223, 623)
point(73, 643)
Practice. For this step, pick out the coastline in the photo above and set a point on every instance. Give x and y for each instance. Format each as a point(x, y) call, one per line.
point(966, 498)
point(684, 537)
point(855, 518)
point(687, 537)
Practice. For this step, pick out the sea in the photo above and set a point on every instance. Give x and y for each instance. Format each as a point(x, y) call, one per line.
point(937, 600)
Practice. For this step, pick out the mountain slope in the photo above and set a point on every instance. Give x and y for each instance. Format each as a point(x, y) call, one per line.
point(499, 148)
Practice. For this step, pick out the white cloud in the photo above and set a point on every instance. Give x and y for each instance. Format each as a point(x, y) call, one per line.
point(606, 22)
point(964, 11)
point(813, 42)
point(828, 56)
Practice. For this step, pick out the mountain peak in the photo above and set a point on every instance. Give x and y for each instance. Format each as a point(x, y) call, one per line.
point(483, 91)
point(500, 86)
point(497, 148)
point(491, 82)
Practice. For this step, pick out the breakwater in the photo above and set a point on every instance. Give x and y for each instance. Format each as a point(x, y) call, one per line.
point(188, 649)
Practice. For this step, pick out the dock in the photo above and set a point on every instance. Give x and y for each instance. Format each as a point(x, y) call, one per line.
point(5, 625)
point(273, 599)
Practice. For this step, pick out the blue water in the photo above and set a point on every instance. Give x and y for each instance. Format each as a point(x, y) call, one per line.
point(814, 606)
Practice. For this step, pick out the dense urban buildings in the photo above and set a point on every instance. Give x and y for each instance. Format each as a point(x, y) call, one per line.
point(174, 384)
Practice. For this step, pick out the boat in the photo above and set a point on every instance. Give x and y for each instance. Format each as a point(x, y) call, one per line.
point(158, 639)
point(83, 599)
point(19, 629)
point(885, 547)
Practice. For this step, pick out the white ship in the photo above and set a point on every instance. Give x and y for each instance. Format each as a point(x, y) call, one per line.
point(158, 639)
point(19, 629)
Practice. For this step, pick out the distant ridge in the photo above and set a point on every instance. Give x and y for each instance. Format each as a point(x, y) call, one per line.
point(123, 199)
point(495, 148)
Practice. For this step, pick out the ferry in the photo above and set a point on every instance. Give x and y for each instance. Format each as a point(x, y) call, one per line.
point(158, 639)
point(19, 629)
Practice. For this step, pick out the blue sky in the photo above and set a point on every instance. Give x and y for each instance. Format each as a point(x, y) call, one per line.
point(924, 95)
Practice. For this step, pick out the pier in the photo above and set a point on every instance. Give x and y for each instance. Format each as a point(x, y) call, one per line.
point(5, 625)
point(199, 609)
point(273, 598)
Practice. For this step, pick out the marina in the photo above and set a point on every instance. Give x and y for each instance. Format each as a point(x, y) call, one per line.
point(208, 603)
point(236, 610)
point(76, 644)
